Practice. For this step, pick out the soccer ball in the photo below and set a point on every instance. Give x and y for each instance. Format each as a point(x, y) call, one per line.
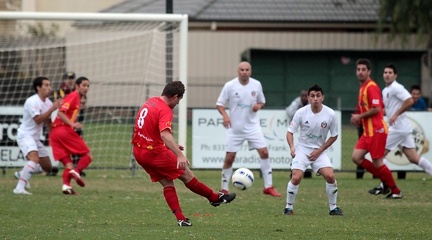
point(242, 178)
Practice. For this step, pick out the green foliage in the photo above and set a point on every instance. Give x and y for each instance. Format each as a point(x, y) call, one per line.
point(40, 30)
point(403, 17)
point(114, 205)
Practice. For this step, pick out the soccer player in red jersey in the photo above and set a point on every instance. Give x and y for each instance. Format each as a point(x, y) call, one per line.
point(156, 151)
point(65, 141)
point(373, 140)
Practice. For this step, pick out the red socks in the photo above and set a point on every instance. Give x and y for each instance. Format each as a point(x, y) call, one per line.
point(171, 198)
point(383, 173)
point(386, 176)
point(83, 163)
point(201, 189)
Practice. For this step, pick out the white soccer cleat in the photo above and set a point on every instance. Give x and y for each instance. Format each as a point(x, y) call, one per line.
point(67, 190)
point(73, 174)
point(17, 176)
point(21, 192)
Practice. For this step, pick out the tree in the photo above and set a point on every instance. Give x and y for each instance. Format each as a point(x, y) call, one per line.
point(403, 17)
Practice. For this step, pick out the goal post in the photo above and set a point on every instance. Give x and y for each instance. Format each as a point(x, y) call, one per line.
point(123, 55)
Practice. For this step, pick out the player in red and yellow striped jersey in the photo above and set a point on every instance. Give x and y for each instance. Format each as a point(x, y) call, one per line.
point(373, 140)
point(65, 141)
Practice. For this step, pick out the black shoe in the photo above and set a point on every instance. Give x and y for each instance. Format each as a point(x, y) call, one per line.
point(336, 212)
point(379, 190)
point(394, 196)
point(53, 172)
point(288, 211)
point(223, 198)
point(184, 223)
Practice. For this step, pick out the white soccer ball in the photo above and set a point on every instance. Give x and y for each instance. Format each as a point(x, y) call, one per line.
point(242, 178)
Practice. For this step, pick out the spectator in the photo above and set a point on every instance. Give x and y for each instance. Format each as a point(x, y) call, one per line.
point(419, 103)
point(297, 103)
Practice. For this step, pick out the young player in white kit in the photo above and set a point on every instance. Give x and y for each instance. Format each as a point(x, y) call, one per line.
point(315, 121)
point(245, 97)
point(37, 111)
point(397, 100)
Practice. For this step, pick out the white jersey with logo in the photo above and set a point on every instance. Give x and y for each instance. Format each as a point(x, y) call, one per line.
point(314, 127)
point(241, 99)
point(33, 107)
point(393, 97)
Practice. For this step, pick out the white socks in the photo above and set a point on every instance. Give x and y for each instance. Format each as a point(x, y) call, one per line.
point(266, 171)
point(426, 165)
point(226, 178)
point(292, 191)
point(332, 192)
point(25, 174)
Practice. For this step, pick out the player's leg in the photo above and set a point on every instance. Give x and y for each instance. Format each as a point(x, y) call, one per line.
point(171, 199)
point(193, 184)
point(257, 141)
point(377, 149)
point(298, 167)
point(26, 172)
point(164, 170)
point(75, 145)
point(66, 177)
point(382, 188)
point(415, 158)
point(394, 139)
point(30, 149)
point(233, 145)
point(331, 186)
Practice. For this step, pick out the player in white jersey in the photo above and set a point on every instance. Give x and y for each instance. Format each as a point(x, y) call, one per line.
point(37, 111)
point(245, 97)
point(315, 122)
point(397, 100)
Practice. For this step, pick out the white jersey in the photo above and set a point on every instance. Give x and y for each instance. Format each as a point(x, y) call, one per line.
point(393, 97)
point(314, 127)
point(241, 99)
point(33, 107)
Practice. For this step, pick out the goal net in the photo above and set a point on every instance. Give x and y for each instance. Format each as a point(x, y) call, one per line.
point(127, 58)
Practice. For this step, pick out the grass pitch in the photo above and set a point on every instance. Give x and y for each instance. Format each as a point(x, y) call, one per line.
point(114, 205)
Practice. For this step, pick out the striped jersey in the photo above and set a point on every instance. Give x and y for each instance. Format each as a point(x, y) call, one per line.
point(369, 97)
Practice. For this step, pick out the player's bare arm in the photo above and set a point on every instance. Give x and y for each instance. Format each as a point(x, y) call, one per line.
point(257, 107)
point(226, 119)
point(67, 121)
point(43, 117)
point(170, 143)
point(405, 106)
point(290, 140)
point(317, 152)
point(356, 118)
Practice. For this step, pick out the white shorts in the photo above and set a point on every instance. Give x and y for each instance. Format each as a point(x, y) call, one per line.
point(301, 160)
point(399, 139)
point(28, 144)
point(255, 140)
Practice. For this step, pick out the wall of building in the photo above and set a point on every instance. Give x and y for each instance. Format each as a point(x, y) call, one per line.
point(213, 56)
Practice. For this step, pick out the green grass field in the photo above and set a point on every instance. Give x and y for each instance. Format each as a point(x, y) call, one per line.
point(115, 205)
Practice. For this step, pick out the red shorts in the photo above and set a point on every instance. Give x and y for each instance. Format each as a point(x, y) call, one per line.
point(65, 141)
point(375, 144)
point(158, 164)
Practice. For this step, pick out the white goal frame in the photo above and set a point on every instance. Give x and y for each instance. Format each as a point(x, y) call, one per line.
point(182, 19)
